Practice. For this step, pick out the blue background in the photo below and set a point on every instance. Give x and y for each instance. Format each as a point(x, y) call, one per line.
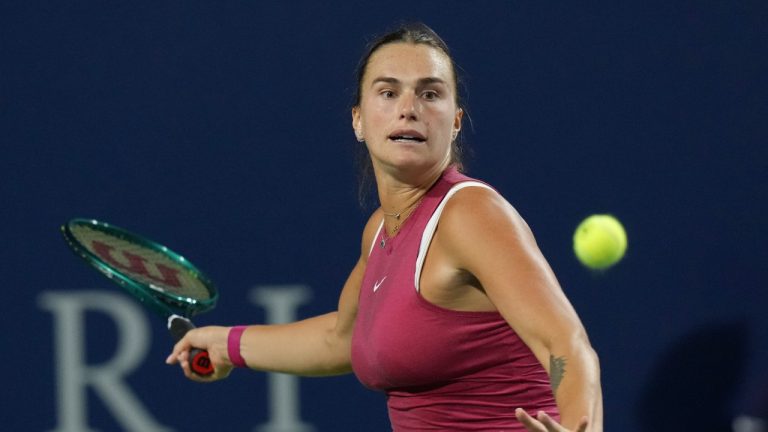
point(222, 129)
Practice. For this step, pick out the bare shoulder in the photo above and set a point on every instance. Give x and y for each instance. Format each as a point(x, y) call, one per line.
point(482, 233)
point(482, 211)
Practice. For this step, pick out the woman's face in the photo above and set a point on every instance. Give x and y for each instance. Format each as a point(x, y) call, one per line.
point(408, 115)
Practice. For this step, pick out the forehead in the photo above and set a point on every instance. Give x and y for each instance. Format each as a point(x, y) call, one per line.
point(404, 60)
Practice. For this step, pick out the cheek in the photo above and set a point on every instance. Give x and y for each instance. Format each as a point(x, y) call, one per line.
point(375, 114)
point(444, 119)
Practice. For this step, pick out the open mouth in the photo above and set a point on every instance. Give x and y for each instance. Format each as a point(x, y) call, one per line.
point(407, 137)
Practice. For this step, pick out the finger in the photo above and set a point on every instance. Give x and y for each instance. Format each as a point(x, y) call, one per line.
point(182, 359)
point(548, 422)
point(220, 371)
point(173, 357)
point(531, 424)
point(178, 348)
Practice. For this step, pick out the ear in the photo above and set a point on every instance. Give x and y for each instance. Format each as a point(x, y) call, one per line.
point(357, 123)
point(457, 122)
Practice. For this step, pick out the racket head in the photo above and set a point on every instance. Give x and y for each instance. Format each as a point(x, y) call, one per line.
point(157, 276)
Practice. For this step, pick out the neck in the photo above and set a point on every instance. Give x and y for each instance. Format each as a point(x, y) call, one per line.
point(400, 192)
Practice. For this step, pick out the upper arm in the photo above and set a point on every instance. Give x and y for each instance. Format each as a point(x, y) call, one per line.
point(347, 308)
point(485, 236)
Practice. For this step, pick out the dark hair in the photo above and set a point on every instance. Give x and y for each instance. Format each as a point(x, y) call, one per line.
point(413, 33)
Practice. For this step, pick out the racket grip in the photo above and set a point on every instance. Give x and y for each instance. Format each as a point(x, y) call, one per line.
point(199, 361)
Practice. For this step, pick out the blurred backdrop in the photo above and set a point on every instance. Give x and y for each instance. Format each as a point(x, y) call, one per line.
point(222, 129)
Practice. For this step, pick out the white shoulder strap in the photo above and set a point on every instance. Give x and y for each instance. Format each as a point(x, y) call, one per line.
point(429, 230)
point(378, 231)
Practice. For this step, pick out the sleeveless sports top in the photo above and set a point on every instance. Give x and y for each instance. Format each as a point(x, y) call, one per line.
point(441, 369)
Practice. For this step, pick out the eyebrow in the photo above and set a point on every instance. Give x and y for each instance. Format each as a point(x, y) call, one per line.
point(420, 82)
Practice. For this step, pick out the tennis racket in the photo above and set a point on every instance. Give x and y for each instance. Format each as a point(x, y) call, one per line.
point(159, 278)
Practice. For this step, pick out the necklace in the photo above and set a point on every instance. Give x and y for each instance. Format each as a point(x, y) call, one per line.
point(394, 215)
point(395, 229)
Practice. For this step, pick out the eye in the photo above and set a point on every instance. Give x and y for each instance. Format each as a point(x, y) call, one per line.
point(387, 94)
point(430, 95)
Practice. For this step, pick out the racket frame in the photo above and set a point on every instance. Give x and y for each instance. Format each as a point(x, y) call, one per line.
point(162, 302)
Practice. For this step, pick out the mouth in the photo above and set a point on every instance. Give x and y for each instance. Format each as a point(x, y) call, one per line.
point(407, 136)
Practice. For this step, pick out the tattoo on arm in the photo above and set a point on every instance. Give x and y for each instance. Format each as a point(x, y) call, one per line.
point(556, 371)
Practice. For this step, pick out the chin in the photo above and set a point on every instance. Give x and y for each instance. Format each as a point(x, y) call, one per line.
point(413, 165)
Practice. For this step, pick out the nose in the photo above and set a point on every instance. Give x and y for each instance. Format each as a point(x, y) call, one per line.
point(408, 109)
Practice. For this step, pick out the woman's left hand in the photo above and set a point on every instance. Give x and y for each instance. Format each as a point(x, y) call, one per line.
point(545, 423)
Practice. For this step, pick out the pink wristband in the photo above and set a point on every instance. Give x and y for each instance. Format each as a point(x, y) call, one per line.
point(233, 346)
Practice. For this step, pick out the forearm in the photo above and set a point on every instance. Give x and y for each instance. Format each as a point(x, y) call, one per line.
point(310, 347)
point(575, 375)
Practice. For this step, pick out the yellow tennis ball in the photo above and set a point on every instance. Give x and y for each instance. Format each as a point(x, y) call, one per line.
point(600, 241)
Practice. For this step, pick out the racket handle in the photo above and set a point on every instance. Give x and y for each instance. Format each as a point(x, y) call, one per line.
point(199, 361)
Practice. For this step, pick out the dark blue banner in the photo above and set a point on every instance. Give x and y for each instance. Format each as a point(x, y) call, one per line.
point(223, 130)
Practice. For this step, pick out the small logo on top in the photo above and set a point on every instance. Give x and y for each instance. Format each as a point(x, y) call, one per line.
point(378, 284)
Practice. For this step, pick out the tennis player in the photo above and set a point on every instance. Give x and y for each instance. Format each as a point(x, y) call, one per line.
point(451, 309)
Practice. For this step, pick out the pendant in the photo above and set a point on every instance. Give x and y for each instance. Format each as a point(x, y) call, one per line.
point(383, 243)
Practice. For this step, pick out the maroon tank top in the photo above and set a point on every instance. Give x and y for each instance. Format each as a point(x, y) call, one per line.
point(441, 369)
